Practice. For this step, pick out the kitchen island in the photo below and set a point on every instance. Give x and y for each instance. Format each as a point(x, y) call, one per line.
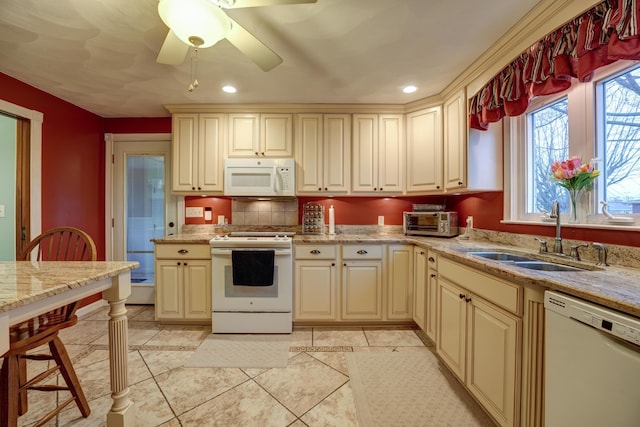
point(29, 288)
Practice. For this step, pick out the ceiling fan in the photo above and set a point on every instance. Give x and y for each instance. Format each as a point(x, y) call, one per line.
point(202, 23)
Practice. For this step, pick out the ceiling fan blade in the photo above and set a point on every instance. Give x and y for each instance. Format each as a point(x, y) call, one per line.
point(259, 3)
point(248, 44)
point(173, 50)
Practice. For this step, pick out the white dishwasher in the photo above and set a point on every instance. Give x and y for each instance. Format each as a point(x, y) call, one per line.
point(592, 364)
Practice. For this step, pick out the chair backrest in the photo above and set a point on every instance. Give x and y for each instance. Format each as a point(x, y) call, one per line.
point(61, 244)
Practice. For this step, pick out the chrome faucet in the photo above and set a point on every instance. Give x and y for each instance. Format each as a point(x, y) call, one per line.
point(602, 254)
point(555, 213)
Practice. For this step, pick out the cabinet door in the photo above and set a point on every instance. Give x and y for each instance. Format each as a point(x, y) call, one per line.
point(492, 354)
point(184, 152)
point(336, 153)
point(431, 317)
point(315, 293)
point(399, 285)
point(362, 290)
point(419, 287)
point(309, 153)
point(424, 151)
point(197, 289)
point(244, 137)
point(275, 135)
point(364, 166)
point(455, 141)
point(450, 341)
point(169, 290)
point(391, 153)
point(210, 152)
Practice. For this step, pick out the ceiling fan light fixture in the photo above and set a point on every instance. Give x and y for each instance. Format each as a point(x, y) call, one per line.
point(195, 18)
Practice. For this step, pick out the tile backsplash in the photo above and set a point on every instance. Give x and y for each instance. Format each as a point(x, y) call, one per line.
point(264, 212)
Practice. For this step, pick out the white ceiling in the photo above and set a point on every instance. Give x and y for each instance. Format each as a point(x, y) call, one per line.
point(100, 54)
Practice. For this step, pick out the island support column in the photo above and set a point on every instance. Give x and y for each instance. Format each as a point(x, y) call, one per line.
point(122, 413)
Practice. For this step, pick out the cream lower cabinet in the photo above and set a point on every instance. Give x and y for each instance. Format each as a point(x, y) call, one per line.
point(399, 282)
point(362, 282)
point(479, 336)
point(431, 291)
point(420, 287)
point(183, 283)
point(315, 283)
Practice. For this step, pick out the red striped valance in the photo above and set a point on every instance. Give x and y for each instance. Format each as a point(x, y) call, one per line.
point(606, 33)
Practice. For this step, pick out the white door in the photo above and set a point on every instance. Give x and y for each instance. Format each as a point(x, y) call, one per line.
point(143, 209)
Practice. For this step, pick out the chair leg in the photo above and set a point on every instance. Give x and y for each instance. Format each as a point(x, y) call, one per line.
point(59, 353)
point(9, 387)
point(22, 379)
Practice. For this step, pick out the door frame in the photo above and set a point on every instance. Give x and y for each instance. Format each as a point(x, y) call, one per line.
point(110, 139)
point(35, 159)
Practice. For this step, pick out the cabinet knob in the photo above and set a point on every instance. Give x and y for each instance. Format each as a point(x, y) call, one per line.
point(326, 189)
point(375, 189)
point(459, 182)
point(193, 188)
point(432, 259)
point(333, 264)
point(380, 188)
point(183, 251)
point(467, 299)
point(199, 188)
point(262, 154)
point(461, 296)
point(186, 263)
point(256, 153)
point(345, 264)
point(433, 276)
point(179, 263)
point(437, 187)
point(319, 188)
point(315, 252)
point(362, 252)
point(421, 252)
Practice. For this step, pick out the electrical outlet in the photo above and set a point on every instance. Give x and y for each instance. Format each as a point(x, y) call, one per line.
point(194, 212)
point(380, 219)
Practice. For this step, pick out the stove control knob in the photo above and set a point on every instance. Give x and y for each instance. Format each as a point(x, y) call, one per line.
point(225, 237)
point(276, 237)
point(217, 237)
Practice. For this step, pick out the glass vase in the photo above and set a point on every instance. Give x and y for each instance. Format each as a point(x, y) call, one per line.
point(579, 206)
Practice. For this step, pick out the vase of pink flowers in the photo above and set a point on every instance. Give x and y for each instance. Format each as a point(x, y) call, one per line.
point(576, 177)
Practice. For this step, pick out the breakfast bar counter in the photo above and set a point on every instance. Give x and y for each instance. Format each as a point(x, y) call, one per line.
point(30, 288)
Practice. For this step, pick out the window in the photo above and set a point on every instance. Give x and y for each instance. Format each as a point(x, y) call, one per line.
point(599, 119)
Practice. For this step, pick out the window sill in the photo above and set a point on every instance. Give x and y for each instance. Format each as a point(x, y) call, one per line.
point(632, 227)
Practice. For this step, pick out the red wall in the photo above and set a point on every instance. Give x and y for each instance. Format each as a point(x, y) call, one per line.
point(72, 160)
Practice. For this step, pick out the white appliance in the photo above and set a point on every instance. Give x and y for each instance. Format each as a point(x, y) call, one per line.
point(259, 177)
point(592, 364)
point(252, 283)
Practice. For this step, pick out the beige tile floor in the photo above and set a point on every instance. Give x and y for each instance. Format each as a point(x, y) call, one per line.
point(313, 390)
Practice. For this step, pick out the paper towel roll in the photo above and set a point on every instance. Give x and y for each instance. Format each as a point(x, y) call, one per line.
point(332, 220)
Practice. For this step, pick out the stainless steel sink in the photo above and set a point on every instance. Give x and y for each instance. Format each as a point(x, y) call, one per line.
point(500, 256)
point(524, 261)
point(546, 266)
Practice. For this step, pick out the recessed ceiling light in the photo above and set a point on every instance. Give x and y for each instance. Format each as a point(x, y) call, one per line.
point(229, 89)
point(409, 89)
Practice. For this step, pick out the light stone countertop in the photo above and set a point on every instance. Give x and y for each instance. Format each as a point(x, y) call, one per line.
point(25, 282)
point(616, 286)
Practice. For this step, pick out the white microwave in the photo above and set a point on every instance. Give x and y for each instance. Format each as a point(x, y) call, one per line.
point(259, 177)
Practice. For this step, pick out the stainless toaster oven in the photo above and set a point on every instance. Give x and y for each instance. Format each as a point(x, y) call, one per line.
point(439, 224)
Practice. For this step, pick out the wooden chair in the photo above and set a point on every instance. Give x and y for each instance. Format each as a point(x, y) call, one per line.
point(59, 244)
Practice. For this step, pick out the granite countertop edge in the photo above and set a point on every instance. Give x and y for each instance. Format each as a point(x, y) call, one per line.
point(614, 286)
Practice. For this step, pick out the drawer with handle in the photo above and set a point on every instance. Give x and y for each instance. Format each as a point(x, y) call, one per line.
point(315, 251)
point(362, 251)
point(184, 250)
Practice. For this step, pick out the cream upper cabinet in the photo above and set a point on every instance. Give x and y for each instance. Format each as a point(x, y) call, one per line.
point(197, 153)
point(261, 135)
point(473, 159)
point(323, 147)
point(424, 151)
point(378, 153)
point(455, 141)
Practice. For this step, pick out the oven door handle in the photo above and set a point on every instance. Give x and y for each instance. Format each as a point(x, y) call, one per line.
point(227, 251)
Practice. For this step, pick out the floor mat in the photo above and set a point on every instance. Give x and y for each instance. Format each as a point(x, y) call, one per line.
point(409, 389)
point(241, 351)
